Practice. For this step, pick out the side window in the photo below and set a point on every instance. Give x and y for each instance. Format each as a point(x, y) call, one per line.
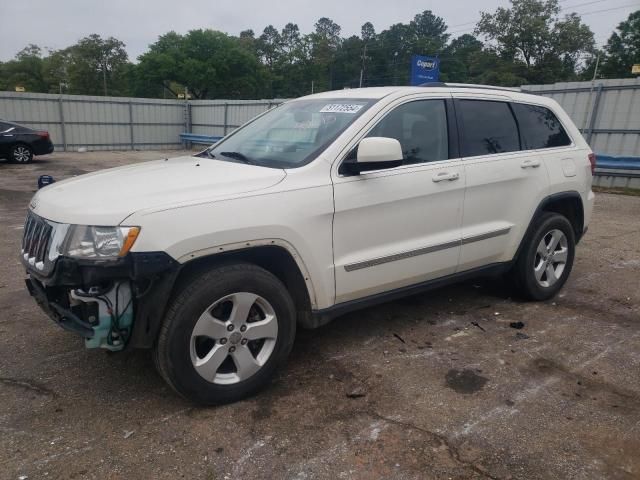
point(489, 127)
point(539, 127)
point(421, 129)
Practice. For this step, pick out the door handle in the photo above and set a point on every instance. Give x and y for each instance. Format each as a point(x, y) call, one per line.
point(530, 164)
point(451, 176)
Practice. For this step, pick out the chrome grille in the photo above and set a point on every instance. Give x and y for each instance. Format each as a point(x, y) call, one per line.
point(36, 240)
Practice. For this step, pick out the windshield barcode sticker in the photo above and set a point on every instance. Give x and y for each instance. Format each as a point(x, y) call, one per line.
point(341, 108)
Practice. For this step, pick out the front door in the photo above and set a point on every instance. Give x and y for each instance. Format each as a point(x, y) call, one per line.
point(401, 226)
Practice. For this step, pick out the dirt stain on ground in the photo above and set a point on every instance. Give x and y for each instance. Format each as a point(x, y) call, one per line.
point(465, 381)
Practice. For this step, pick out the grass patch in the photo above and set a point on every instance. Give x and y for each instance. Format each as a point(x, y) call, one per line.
point(634, 192)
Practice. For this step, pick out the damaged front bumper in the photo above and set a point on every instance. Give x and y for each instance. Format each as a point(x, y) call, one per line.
point(111, 304)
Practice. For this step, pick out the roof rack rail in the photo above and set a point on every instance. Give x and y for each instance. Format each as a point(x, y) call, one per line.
point(433, 84)
point(469, 85)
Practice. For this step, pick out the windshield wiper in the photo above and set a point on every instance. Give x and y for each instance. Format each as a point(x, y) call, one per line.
point(237, 156)
point(205, 154)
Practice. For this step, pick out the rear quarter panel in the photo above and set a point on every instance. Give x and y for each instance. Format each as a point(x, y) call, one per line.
point(569, 167)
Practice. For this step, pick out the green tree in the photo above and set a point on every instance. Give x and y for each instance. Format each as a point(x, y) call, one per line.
point(209, 63)
point(348, 62)
point(622, 50)
point(458, 58)
point(533, 32)
point(291, 43)
point(389, 56)
point(26, 70)
point(95, 66)
point(428, 33)
point(294, 72)
point(368, 32)
point(270, 46)
point(325, 41)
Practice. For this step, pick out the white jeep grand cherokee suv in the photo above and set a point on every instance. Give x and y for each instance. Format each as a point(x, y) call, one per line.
point(322, 205)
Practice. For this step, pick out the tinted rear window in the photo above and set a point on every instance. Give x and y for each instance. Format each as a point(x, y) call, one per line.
point(489, 127)
point(539, 127)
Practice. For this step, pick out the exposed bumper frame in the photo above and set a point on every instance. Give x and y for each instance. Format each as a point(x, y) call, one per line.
point(152, 275)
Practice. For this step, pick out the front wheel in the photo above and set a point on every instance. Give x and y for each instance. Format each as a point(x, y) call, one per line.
point(546, 260)
point(20, 154)
point(225, 333)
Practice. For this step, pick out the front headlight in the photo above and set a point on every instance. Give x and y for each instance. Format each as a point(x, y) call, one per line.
point(99, 242)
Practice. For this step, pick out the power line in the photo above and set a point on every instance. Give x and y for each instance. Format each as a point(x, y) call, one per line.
point(463, 30)
point(598, 41)
point(631, 5)
point(562, 9)
point(582, 4)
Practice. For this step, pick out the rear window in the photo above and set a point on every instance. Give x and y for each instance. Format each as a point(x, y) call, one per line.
point(539, 127)
point(489, 127)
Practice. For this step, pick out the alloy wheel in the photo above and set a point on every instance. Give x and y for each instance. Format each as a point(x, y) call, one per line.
point(551, 258)
point(233, 338)
point(21, 154)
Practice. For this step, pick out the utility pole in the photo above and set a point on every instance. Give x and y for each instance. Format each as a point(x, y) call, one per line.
point(595, 70)
point(395, 68)
point(364, 57)
point(587, 118)
point(104, 75)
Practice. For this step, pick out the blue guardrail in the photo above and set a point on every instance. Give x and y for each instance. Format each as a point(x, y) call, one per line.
point(617, 163)
point(199, 139)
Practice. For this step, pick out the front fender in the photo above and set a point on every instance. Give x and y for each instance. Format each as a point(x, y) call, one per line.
point(299, 221)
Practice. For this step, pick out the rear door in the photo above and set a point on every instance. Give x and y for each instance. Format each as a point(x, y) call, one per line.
point(541, 130)
point(504, 183)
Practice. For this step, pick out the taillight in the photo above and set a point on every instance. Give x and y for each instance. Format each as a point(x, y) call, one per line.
point(592, 161)
point(43, 134)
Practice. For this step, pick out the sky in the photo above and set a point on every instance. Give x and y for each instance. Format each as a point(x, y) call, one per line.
point(59, 23)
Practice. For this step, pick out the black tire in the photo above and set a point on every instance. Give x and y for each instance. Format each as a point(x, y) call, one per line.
point(20, 153)
point(172, 352)
point(523, 273)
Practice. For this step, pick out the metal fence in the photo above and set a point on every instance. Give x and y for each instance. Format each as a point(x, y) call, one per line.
point(219, 117)
point(98, 123)
point(606, 111)
point(120, 123)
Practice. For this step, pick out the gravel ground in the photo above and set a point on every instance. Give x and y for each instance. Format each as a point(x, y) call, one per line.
point(443, 386)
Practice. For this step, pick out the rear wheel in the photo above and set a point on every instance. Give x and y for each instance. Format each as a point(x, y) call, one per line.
point(546, 260)
point(225, 333)
point(20, 154)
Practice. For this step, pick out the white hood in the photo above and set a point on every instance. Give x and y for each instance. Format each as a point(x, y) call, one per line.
point(109, 196)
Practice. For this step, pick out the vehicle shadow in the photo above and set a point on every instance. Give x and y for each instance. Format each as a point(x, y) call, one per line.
point(134, 375)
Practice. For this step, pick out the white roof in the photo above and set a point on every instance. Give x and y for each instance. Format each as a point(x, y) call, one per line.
point(380, 92)
point(368, 92)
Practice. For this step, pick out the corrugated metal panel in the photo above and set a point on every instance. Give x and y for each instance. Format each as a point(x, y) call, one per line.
point(208, 116)
point(616, 123)
point(98, 123)
point(123, 123)
point(102, 123)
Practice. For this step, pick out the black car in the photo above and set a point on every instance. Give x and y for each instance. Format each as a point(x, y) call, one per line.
point(19, 144)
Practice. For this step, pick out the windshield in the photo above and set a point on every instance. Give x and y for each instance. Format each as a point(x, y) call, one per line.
point(292, 134)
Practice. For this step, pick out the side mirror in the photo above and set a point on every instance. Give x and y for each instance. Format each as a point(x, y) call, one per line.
point(374, 153)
